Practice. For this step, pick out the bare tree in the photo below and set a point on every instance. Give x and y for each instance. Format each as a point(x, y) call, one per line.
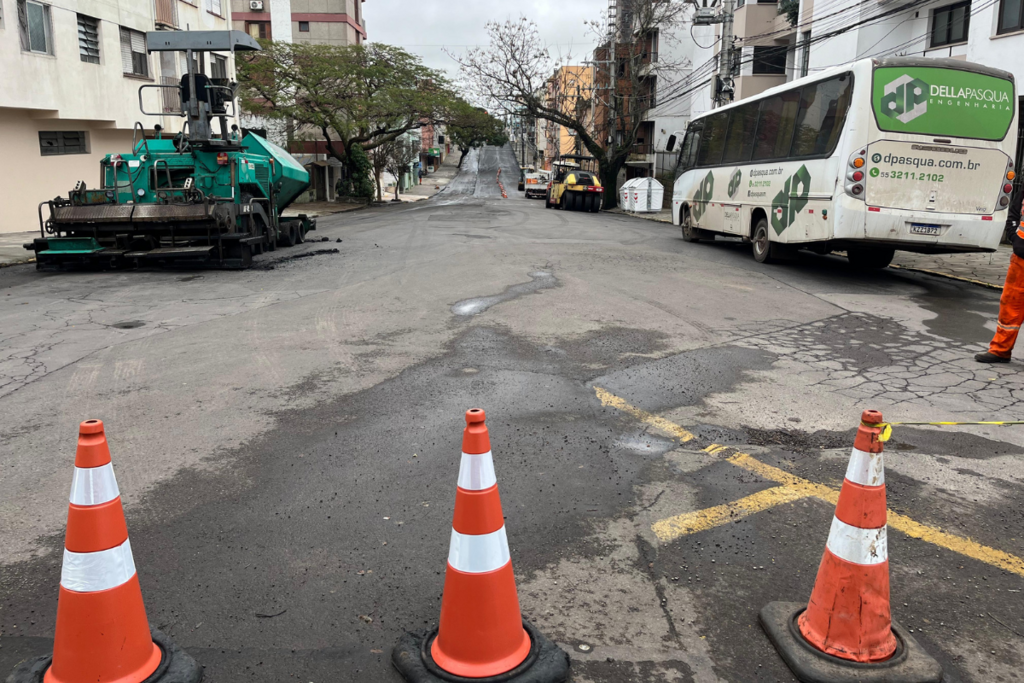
point(603, 104)
point(401, 153)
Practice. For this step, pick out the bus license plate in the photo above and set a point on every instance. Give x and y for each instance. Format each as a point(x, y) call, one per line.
point(925, 229)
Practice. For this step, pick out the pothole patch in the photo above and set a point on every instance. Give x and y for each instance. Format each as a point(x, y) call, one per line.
point(539, 280)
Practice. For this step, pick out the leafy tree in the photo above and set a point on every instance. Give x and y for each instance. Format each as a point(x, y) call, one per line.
point(357, 183)
point(471, 127)
point(790, 8)
point(348, 96)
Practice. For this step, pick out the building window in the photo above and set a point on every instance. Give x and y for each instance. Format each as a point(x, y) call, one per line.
point(214, 7)
point(769, 59)
point(1011, 15)
point(34, 26)
point(218, 67)
point(950, 24)
point(89, 39)
point(303, 27)
point(134, 61)
point(54, 142)
point(260, 30)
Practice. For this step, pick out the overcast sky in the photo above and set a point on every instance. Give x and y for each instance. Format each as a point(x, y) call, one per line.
point(426, 27)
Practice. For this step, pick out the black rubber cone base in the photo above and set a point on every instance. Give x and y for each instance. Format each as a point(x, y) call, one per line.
point(910, 663)
point(176, 666)
point(546, 663)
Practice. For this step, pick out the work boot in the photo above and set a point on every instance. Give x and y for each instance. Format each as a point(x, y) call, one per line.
point(989, 357)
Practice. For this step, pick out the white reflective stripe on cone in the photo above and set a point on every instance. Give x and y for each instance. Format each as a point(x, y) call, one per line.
point(478, 554)
point(476, 472)
point(98, 571)
point(866, 469)
point(94, 485)
point(860, 546)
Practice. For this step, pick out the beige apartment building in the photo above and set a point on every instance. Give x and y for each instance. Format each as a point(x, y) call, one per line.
point(70, 72)
point(326, 22)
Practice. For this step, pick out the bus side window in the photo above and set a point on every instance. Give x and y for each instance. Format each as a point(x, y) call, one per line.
point(775, 125)
point(688, 155)
point(822, 113)
point(713, 143)
point(740, 140)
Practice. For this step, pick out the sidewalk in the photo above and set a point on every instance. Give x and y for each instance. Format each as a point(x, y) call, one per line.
point(436, 181)
point(11, 250)
point(987, 270)
point(317, 209)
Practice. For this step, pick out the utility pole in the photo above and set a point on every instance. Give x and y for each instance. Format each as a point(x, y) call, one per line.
point(725, 84)
point(706, 16)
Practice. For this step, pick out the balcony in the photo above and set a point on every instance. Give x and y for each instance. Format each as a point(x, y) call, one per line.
point(167, 13)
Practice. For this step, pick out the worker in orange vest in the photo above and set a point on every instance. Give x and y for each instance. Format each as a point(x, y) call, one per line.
point(1011, 303)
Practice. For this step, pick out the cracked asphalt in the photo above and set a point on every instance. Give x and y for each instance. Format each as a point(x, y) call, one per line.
point(286, 439)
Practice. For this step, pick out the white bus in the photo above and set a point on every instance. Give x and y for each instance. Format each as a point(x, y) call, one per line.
point(903, 153)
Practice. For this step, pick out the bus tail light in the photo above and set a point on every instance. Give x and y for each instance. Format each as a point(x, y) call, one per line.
point(1006, 191)
point(855, 177)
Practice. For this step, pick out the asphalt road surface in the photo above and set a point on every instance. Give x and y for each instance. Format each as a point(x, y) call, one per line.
point(286, 440)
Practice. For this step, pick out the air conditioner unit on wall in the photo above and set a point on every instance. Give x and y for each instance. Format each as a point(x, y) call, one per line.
point(256, 5)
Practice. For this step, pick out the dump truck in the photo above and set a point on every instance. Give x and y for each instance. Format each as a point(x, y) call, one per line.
point(194, 198)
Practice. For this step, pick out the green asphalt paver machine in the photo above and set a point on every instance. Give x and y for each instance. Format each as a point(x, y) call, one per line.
point(194, 198)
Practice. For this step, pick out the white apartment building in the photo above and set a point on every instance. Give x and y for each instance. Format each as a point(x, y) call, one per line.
point(70, 72)
point(773, 50)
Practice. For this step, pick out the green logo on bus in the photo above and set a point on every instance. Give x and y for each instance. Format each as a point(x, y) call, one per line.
point(734, 183)
point(905, 98)
point(926, 100)
point(791, 201)
point(703, 196)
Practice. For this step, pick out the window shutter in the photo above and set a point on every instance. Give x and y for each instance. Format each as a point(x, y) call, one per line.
point(88, 39)
point(23, 25)
point(126, 51)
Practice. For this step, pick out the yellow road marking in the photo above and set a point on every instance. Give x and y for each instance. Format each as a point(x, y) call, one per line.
point(611, 400)
point(692, 522)
point(793, 485)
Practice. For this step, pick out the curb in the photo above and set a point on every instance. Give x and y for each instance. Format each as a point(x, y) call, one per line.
point(947, 276)
point(17, 263)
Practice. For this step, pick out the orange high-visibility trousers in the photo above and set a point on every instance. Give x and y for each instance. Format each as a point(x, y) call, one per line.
point(1011, 310)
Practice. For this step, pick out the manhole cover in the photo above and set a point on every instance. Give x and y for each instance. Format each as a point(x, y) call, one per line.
point(128, 324)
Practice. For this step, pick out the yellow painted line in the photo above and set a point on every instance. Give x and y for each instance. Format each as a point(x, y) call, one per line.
point(747, 462)
point(796, 485)
point(693, 522)
point(610, 400)
point(958, 544)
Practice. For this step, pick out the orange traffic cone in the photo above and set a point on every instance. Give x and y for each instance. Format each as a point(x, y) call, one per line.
point(102, 633)
point(848, 613)
point(481, 633)
point(847, 622)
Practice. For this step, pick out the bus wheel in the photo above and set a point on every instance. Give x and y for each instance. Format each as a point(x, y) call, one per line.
point(870, 257)
point(690, 233)
point(763, 252)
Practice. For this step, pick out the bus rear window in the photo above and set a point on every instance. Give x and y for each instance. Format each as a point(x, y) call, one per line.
point(926, 100)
